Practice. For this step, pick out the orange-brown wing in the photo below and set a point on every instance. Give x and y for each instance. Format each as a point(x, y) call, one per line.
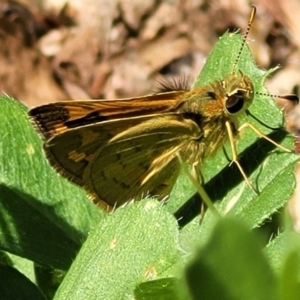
point(141, 160)
point(55, 118)
point(71, 151)
point(126, 165)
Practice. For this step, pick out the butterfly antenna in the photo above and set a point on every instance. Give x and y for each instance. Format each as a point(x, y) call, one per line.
point(290, 97)
point(251, 18)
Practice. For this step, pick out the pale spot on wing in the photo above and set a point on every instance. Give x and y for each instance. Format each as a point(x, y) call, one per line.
point(89, 136)
point(76, 156)
point(58, 129)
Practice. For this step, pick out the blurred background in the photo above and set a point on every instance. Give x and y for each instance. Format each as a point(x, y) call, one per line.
point(55, 49)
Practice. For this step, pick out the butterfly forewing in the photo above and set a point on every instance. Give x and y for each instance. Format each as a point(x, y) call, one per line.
point(56, 118)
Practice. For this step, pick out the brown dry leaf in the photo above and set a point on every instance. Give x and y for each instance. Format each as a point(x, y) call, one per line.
point(118, 48)
point(287, 13)
point(25, 73)
point(75, 63)
point(165, 17)
point(133, 11)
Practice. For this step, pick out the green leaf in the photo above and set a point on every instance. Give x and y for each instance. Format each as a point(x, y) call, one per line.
point(23, 265)
point(281, 247)
point(136, 243)
point(48, 279)
point(276, 181)
point(41, 213)
point(231, 266)
point(289, 288)
point(14, 285)
point(160, 289)
point(5, 259)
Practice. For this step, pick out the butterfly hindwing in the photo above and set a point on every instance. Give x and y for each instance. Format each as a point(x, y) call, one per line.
point(141, 160)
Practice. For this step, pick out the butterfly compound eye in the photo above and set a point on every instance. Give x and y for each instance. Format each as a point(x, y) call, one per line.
point(235, 102)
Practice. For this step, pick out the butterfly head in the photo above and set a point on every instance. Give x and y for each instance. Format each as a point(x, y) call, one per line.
point(239, 94)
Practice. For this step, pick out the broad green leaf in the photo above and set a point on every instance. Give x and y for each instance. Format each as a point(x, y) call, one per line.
point(289, 286)
point(231, 266)
point(48, 279)
point(137, 243)
point(14, 285)
point(24, 265)
point(5, 259)
point(281, 247)
point(160, 289)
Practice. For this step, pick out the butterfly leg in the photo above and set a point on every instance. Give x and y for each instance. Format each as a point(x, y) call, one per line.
point(262, 135)
point(235, 156)
point(195, 177)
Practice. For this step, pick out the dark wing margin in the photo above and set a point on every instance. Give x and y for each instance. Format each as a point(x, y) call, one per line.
point(56, 118)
